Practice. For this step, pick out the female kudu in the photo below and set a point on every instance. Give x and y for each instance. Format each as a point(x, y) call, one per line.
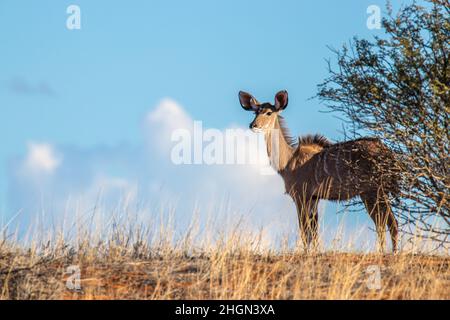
point(314, 169)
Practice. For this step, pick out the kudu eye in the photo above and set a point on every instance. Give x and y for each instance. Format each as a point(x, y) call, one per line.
point(269, 113)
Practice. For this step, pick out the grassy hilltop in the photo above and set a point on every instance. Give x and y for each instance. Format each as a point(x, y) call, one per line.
point(126, 266)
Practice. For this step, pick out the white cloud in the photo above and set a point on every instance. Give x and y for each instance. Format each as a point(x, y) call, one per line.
point(170, 115)
point(159, 124)
point(42, 158)
point(142, 174)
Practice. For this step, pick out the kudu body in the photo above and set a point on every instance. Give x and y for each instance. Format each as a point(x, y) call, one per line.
point(314, 169)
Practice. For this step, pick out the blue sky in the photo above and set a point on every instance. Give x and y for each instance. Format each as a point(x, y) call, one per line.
point(89, 90)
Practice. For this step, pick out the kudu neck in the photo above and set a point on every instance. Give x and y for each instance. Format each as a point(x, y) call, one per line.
point(278, 148)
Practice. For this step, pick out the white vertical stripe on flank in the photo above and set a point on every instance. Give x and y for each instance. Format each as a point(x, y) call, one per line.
point(315, 169)
point(325, 166)
point(336, 164)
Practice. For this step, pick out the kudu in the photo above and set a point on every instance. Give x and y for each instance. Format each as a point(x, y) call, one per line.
point(314, 169)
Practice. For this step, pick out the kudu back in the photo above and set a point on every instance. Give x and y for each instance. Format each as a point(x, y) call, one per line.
point(314, 168)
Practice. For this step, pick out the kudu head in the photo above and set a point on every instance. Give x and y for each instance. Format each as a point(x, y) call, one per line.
point(265, 113)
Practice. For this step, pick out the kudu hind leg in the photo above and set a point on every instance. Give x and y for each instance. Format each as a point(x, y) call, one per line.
point(389, 220)
point(393, 227)
point(381, 214)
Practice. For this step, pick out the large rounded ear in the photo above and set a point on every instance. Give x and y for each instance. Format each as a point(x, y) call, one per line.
point(248, 102)
point(281, 100)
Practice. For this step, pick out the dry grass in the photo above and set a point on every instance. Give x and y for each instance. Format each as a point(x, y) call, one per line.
point(129, 264)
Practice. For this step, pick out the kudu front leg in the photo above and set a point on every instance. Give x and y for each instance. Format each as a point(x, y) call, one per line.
point(308, 222)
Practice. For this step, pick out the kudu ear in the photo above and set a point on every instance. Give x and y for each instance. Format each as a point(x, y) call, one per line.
point(248, 102)
point(281, 100)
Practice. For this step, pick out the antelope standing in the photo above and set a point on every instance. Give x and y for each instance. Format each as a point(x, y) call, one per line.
point(314, 169)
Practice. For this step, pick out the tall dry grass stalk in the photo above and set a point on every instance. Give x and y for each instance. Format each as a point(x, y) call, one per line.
point(125, 257)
